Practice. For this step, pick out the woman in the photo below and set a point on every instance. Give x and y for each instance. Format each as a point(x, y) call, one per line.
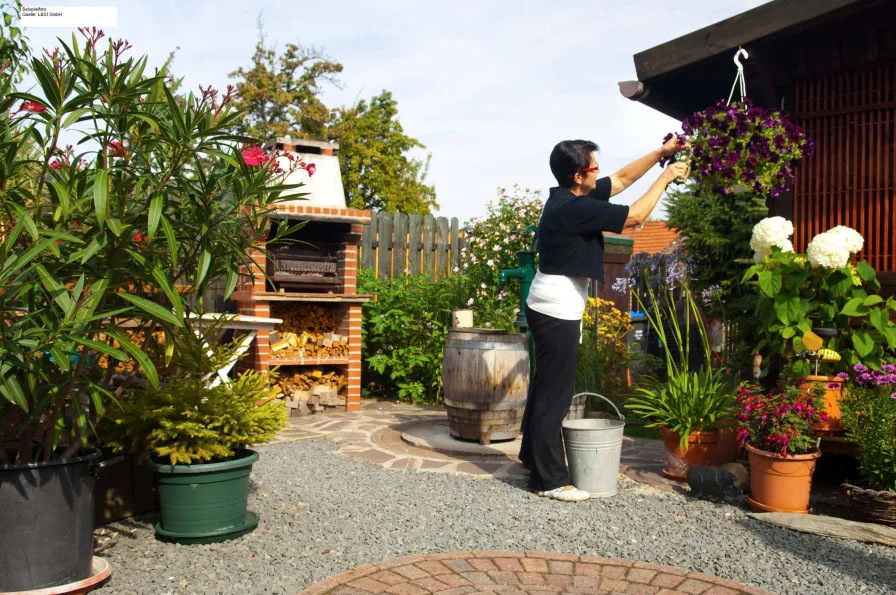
point(570, 239)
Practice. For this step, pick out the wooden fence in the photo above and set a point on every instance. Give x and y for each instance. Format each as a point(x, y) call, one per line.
point(396, 242)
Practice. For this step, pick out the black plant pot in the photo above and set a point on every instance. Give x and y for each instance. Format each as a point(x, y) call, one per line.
point(46, 520)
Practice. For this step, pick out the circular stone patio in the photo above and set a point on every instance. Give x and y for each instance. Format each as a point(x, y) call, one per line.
point(436, 435)
point(518, 573)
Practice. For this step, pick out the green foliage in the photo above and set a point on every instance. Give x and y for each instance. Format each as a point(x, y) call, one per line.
point(687, 402)
point(373, 157)
point(794, 298)
point(491, 246)
point(97, 239)
point(869, 414)
point(716, 231)
point(14, 49)
point(603, 356)
point(281, 96)
point(186, 419)
point(404, 333)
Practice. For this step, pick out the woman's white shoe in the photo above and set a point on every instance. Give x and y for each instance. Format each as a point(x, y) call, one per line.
point(565, 494)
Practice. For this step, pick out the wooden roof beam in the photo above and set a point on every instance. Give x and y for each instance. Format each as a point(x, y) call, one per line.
point(726, 35)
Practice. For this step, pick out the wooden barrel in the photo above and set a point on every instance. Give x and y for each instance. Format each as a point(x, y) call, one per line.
point(485, 375)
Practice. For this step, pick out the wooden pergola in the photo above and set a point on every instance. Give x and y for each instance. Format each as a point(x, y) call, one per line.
point(832, 65)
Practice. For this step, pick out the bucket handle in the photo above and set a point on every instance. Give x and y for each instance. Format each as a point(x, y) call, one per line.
point(621, 417)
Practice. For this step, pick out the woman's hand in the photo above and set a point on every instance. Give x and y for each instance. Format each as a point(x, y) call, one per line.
point(674, 171)
point(674, 145)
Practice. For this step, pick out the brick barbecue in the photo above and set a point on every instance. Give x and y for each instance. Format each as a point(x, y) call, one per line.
point(312, 285)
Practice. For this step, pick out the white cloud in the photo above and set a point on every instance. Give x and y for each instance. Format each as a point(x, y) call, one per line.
point(489, 87)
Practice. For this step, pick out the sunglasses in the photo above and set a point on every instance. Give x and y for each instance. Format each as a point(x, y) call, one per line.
point(589, 169)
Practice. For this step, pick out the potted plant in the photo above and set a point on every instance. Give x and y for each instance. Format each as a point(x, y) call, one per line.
point(801, 294)
point(743, 147)
point(688, 405)
point(90, 244)
point(196, 433)
point(869, 414)
point(775, 429)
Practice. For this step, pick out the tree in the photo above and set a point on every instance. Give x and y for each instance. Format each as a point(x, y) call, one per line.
point(14, 50)
point(376, 172)
point(716, 231)
point(281, 95)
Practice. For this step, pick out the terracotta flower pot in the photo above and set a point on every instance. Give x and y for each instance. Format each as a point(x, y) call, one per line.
point(834, 423)
point(700, 451)
point(779, 483)
point(728, 450)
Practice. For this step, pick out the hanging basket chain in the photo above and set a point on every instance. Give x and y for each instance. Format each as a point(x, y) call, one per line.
point(739, 77)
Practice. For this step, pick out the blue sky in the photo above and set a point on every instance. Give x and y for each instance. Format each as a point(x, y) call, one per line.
point(489, 86)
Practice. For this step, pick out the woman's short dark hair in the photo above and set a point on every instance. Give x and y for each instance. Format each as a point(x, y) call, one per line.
point(570, 157)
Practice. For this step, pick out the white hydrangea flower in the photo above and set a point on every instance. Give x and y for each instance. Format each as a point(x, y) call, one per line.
point(760, 255)
point(852, 239)
point(771, 231)
point(786, 246)
point(828, 250)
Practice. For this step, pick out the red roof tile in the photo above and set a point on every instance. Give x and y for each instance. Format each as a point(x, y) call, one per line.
point(654, 237)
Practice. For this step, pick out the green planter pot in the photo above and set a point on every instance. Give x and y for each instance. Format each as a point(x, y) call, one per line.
point(205, 503)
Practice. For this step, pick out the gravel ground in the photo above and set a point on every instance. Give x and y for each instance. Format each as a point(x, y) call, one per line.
point(322, 514)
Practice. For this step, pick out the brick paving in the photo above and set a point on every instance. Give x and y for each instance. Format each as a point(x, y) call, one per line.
point(523, 573)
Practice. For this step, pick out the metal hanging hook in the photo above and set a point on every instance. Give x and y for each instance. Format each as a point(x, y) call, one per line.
point(739, 77)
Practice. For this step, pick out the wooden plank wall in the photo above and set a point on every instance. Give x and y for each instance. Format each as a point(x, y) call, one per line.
point(851, 179)
point(397, 242)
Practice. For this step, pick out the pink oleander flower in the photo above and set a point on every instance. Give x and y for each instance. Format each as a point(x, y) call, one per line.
point(254, 156)
point(116, 149)
point(33, 107)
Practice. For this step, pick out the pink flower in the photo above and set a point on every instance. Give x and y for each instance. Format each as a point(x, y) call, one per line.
point(31, 106)
point(116, 149)
point(55, 164)
point(254, 156)
point(310, 168)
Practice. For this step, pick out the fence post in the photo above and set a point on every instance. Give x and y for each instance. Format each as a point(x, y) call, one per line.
point(384, 245)
point(429, 232)
point(369, 244)
point(442, 249)
point(414, 245)
point(455, 251)
point(399, 243)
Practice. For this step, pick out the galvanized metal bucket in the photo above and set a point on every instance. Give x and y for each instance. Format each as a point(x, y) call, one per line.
point(593, 450)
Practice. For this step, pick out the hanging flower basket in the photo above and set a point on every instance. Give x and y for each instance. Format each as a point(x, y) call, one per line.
point(745, 147)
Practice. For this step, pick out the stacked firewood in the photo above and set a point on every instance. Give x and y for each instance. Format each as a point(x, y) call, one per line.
point(310, 391)
point(307, 330)
point(136, 336)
